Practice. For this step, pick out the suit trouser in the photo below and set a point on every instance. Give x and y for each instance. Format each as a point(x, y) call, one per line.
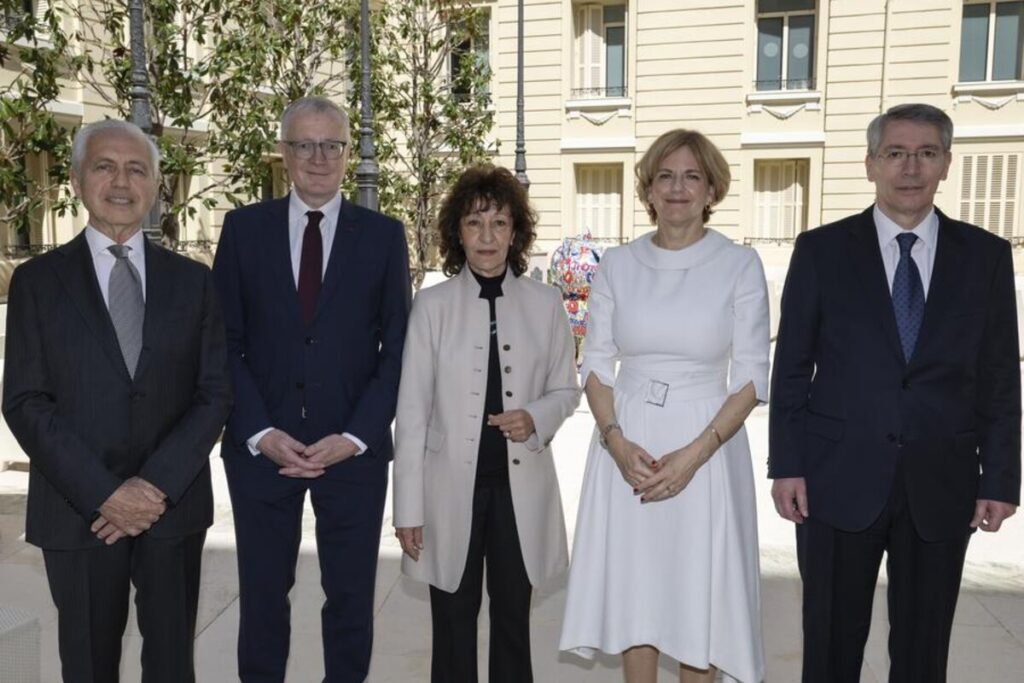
point(839, 570)
point(90, 588)
point(494, 539)
point(348, 501)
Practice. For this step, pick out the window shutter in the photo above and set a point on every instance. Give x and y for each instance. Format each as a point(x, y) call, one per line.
point(599, 201)
point(780, 197)
point(589, 48)
point(41, 7)
point(989, 192)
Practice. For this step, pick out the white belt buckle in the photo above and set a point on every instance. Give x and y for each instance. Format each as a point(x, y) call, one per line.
point(656, 393)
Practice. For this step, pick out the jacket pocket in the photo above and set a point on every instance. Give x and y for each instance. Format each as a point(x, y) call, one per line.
point(435, 440)
point(830, 428)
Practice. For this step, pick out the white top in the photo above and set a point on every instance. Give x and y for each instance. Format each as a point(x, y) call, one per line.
point(103, 261)
point(923, 251)
point(297, 220)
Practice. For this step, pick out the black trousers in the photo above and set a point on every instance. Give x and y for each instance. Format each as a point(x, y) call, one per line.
point(90, 589)
point(494, 540)
point(839, 570)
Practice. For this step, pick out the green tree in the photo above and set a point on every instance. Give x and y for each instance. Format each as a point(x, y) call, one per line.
point(431, 104)
point(36, 51)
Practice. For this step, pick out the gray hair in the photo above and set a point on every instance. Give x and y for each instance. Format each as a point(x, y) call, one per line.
point(920, 113)
point(81, 142)
point(311, 104)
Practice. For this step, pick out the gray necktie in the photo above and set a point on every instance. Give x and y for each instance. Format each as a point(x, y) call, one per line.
point(126, 305)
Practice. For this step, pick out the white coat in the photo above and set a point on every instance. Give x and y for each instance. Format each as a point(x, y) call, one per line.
point(440, 412)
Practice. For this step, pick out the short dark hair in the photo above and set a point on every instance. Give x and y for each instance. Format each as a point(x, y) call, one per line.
point(914, 111)
point(486, 183)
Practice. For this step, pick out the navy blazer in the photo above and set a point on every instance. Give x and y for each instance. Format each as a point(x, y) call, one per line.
point(338, 374)
point(84, 422)
point(846, 408)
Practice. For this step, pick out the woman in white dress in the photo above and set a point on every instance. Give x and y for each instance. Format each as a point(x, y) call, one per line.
point(665, 557)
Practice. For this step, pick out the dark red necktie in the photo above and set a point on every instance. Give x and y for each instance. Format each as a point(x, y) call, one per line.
point(311, 265)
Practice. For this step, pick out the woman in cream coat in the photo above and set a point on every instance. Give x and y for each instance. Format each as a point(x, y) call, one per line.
point(487, 378)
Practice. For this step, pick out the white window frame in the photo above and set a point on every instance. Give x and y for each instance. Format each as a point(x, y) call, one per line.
point(589, 37)
point(990, 43)
point(783, 72)
point(487, 24)
point(799, 170)
point(976, 203)
point(608, 227)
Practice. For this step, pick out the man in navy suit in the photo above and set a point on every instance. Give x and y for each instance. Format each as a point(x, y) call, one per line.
point(895, 414)
point(316, 298)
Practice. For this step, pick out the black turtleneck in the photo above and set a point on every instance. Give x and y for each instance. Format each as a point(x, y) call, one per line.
point(492, 459)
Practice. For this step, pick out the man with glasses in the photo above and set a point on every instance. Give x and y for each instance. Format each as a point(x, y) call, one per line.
point(896, 414)
point(316, 297)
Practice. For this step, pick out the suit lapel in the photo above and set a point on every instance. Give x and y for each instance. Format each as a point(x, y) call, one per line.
point(78, 277)
point(280, 253)
point(943, 284)
point(875, 286)
point(158, 301)
point(346, 235)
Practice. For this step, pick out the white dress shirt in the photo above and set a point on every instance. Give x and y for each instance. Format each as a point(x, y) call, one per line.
point(103, 261)
point(297, 220)
point(923, 251)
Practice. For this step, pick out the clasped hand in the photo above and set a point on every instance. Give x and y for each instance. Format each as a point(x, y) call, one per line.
point(655, 480)
point(131, 509)
point(301, 461)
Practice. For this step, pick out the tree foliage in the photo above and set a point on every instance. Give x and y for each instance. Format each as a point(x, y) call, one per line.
point(221, 71)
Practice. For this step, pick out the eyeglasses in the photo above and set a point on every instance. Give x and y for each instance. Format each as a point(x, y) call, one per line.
point(305, 149)
point(897, 157)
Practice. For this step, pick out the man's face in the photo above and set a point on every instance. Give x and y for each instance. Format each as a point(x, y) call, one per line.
point(117, 183)
point(316, 179)
point(907, 169)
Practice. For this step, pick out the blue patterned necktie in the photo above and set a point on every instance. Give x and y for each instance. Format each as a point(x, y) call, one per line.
point(907, 296)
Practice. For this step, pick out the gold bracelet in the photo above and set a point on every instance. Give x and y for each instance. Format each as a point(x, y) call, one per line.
point(717, 436)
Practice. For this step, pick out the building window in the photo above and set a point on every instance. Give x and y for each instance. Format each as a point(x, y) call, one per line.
point(275, 180)
point(600, 51)
point(785, 44)
point(990, 192)
point(599, 201)
point(472, 48)
point(780, 197)
point(992, 41)
point(15, 12)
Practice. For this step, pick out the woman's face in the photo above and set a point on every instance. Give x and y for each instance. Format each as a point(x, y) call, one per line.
point(680, 191)
point(486, 233)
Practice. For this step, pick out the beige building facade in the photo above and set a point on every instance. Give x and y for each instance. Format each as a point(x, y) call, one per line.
point(786, 89)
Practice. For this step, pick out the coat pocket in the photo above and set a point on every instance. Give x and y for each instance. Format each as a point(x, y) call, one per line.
point(830, 428)
point(435, 440)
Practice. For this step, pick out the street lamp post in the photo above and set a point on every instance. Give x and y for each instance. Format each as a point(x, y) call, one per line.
point(141, 112)
point(520, 134)
point(367, 171)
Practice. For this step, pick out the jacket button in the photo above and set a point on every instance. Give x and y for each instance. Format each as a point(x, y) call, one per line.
point(515, 461)
point(507, 347)
point(890, 437)
point(508, 369)
point(906, 384)
point(300, 385)
point(509, 394)
point(310, 341)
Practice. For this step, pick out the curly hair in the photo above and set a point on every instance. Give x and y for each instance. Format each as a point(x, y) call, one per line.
point(712, 164)
point(486, 184)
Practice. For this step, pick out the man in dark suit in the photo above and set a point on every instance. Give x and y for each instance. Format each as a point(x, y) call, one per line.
point(116, 386)
point(895, 413)
point(316, 297)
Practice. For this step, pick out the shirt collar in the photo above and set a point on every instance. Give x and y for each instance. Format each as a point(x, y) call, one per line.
point(98, 242)
point(927, 230)
point(298, 208)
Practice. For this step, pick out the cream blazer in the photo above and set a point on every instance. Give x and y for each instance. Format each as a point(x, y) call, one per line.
point(440, 410)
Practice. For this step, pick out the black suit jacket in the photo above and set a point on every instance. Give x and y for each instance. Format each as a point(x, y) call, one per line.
point(846, 408)
point(338, 374)
point(85, 424)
